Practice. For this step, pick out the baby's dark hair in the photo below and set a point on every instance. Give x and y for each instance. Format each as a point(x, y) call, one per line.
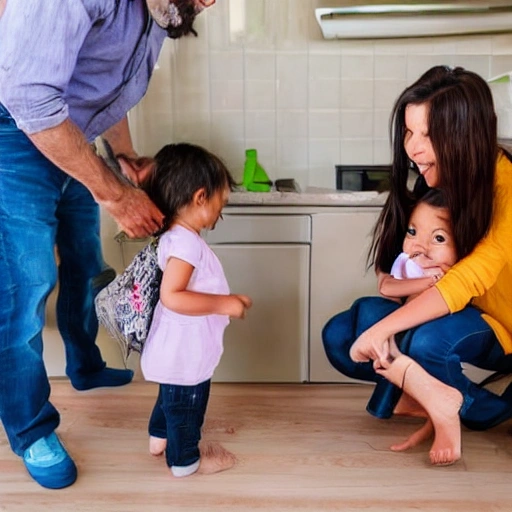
point(434, 197)
point(180, 171)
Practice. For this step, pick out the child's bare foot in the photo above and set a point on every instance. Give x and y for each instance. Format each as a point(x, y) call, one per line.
point(424, 433)
point(214, 458)
point(157, 445)
point(407, 406)
point(442, 403)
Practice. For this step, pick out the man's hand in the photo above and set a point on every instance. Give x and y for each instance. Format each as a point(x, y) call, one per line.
point(131, 208)
point(134, 212)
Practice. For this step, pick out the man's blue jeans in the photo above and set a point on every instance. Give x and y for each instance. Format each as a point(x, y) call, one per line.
point(178, 416)
point(439, 346)
point(40, 207)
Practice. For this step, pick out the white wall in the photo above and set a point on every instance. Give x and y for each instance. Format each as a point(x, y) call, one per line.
point(261, 75)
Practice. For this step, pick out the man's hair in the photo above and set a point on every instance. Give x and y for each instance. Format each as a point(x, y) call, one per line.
point(180, 171)
point(187, 13)
point(462, 127)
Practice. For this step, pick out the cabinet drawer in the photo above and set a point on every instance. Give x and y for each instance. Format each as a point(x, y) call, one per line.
point(261, 229)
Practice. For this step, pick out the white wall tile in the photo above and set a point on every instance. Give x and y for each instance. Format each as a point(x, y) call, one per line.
point(381, 118)
point(357, 67)
point(324, 177)
point(292, 123)
point(324, 94)
point(260, 94)
point(356, 151)
point(390, 67)
point(227, 65)
point(227, 125)
point(292, 80)
point(356, 94)
point(381, 152)
point(260, 124)
point(261, 74)
point(260, 66)
point(357, 124)
point(324, 124)
point(386, 92)
point(292, 153)
point(324, 153)
point(227, 94)
point(324, 67)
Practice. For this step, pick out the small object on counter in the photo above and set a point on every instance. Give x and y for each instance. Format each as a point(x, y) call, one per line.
point(287, 185)
point(255, 178)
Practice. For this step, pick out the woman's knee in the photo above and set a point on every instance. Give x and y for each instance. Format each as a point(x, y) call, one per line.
point(336, 333)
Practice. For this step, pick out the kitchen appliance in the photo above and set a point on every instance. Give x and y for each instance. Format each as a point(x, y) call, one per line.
point(363, 177)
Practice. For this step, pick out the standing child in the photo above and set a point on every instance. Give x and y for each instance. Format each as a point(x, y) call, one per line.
point(185, 342)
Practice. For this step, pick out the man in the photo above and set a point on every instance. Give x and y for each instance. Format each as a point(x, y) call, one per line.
point(69, 71)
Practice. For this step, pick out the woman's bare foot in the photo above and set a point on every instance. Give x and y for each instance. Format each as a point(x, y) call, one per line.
point(442, 403)
point(214, 458)
point(407, 406)
point(157, 445)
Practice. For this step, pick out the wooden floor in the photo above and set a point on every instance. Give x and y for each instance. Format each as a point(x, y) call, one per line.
point(300, 448)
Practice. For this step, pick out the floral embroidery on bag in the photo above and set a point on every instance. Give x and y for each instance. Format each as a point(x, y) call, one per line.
point(125, 307)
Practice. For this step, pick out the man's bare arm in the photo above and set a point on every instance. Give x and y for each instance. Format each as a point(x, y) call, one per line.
point(120, 139)
point(66, 146)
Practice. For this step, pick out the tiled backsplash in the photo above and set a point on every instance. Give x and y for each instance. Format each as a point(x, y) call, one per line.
point(261, 76)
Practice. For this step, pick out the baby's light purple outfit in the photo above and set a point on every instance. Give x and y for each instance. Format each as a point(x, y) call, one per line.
point(406, 268)
point(184, 349)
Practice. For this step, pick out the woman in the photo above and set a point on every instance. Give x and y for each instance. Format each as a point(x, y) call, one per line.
point(444, 126)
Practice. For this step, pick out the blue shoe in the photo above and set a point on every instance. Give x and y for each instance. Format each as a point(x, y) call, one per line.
point(49, 464)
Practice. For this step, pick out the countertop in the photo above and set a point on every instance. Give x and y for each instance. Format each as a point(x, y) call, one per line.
point(311, 196)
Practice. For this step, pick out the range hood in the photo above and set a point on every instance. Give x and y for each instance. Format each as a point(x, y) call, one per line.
point(415, 20)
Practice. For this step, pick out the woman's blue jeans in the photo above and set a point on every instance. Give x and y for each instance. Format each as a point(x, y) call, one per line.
point(42, 207)
point(439, 346)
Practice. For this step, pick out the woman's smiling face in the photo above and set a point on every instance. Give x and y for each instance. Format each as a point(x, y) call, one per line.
point(418, 145)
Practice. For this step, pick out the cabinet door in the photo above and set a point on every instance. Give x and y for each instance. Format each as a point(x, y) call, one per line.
point(338, 276)
point(270, 344)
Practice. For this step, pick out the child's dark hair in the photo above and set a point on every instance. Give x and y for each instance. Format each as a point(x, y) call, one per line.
point(180, 171)
point(434, 197)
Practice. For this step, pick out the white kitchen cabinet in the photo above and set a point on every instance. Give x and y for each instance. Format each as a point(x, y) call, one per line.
point(266, 257)
point(270, 344)
point(338, 276)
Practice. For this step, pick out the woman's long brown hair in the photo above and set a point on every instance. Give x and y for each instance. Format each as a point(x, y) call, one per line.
point(462, 127)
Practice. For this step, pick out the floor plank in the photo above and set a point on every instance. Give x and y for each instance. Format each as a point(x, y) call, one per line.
point(299, 448)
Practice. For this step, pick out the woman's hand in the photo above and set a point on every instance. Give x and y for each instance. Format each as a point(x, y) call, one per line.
point(372, 344)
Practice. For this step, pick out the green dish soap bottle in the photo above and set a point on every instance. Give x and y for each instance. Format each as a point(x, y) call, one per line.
point(255, 178)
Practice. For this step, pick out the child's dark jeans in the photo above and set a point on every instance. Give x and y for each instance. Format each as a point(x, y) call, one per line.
point(178, 416)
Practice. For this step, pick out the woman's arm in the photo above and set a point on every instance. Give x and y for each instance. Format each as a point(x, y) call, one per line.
point(373, 343)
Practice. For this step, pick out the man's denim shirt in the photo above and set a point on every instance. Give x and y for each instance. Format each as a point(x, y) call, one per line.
point(89, 60)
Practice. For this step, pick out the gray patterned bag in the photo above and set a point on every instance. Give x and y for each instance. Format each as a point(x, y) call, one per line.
point(125, 306)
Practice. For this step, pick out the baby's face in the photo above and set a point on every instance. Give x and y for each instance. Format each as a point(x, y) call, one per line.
point(429, 240)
